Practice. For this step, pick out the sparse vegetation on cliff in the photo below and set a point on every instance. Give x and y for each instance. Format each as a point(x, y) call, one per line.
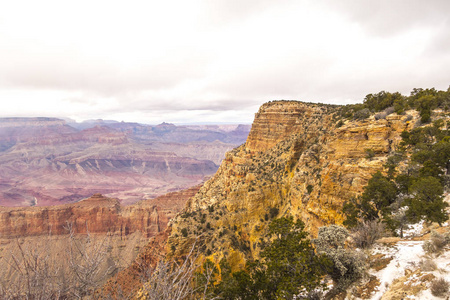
point(288, 267)
point(414, 193)
point(423, 100)
point(302, 162)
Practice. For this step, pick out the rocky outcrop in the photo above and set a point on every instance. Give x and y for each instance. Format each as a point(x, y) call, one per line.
point(296, 161)
point(96, 214)
point(275, 121)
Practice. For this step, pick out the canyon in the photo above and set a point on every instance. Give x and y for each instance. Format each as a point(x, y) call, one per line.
point(300, 159)
point(48, 161)
point(296, 161)
point(100, 187)
point(98, 227)
point(96, 214)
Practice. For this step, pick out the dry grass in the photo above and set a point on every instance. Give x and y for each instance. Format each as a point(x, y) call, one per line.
point(367, 233)
point(436, 243)
point(439, 287)
point(427, 265)
point(366, 289)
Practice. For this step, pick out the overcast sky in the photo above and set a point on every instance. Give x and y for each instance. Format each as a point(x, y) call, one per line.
point(213, 60)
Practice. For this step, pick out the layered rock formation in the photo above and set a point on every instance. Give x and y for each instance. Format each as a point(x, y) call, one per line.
point(44, 161)
point(97, 214)
point(97, 225)
point(297, 162)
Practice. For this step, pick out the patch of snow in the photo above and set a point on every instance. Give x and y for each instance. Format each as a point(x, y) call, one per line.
point(443, 271)
point(406, 254)
point(413, 230)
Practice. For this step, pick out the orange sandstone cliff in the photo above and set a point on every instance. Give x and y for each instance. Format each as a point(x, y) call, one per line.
point(96, 214)
point(296, 161)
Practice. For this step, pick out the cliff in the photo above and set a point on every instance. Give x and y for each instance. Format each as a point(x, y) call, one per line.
point(96, 214)
point(296, 161)
point(118, 239)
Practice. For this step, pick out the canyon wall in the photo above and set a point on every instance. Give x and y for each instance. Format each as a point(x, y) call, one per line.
point(296, 161)
point(96, 214)
point(99, 225)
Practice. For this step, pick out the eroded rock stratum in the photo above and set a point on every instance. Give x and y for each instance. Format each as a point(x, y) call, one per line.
point(296, 161)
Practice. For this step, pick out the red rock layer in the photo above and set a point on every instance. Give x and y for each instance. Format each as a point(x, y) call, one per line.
point(96, 214)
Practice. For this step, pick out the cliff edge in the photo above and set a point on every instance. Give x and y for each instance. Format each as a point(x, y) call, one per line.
point(297, 161)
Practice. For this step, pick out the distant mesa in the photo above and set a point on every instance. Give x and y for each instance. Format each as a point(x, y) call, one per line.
point(164, 128)
point(100, 121)
point(37, 121)
point(96, 196)
point(166, 124)
point(91, 123)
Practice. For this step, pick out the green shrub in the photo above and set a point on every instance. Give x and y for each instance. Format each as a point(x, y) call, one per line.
point(383, 100)
point(288, 266)
point(273, 212)
point(369, 153)
point(339, 124)
point(428, 201)
point(377, 197)
point(361, 114)
point(425, 117)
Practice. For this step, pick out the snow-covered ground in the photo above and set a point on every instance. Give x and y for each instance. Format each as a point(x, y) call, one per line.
point(406, 257)
point(443, 264)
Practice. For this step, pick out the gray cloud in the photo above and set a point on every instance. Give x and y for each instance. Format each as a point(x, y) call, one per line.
point(223, 12)
point(440, 45)
point(74, 72)
point(220, 57)
point(387, 18)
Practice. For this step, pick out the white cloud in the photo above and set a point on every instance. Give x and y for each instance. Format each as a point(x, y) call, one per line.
point(212, 60)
